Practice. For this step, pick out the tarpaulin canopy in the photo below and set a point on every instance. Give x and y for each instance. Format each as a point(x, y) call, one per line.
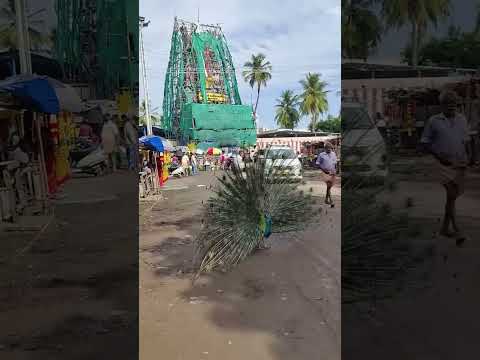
point(36, 93)
point(156, 143)
point(43, 93)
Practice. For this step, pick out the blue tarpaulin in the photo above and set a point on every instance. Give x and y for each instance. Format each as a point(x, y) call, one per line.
point(156, 143)
point(36, 93)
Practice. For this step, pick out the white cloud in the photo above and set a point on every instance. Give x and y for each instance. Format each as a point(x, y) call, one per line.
point(296, 36)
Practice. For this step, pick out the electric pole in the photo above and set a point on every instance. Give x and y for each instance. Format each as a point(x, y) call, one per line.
point(23, 38)
point(144, 75)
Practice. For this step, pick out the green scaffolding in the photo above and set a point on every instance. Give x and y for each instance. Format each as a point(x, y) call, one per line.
point(201, 98)
point(96, 41)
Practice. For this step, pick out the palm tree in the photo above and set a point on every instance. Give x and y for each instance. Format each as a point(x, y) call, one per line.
point(287, 115)
point(155, 117)
point(8, 31)
point(418, 14)
point(361, 29)
point(257, 71)
point(314, 97)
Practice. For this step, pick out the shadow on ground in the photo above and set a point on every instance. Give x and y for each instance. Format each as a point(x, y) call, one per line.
point(280, 304)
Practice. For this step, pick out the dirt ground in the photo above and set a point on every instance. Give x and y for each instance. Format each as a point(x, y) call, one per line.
point(68, 293)
point(280, 304)
point(432, 318)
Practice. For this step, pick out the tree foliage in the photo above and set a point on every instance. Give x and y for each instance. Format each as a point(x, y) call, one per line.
point(257, 72)
point(314, 100)
point(330, 124)
point(419, 14)
point(457, 49)
point(287, 115)
point(156, 118)
point(361, 29)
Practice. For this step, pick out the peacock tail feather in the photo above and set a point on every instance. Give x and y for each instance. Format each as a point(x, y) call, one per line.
point(245, 208)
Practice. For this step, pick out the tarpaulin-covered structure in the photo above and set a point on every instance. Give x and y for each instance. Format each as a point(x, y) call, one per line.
point(201, 97)
point(104, 54)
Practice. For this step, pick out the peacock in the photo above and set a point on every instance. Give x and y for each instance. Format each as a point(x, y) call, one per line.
point(247, 207)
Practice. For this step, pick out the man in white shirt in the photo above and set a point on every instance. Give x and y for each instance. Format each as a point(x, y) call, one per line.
point(186, 164)
point(327, 162)
point(130, 135)
point(110, 137)
point(446, 137)
point(21, 157)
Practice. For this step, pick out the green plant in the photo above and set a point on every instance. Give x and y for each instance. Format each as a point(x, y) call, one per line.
point(330, 124)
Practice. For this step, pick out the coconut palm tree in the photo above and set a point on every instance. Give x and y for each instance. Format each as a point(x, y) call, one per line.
point(361, 29)
point(155, 117)
point(419, 14)
point(8, 31)
point(257, 72)
point(313, 98)
point(287, 114)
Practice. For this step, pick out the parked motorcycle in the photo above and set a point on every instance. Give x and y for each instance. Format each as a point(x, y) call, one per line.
point(88, 158)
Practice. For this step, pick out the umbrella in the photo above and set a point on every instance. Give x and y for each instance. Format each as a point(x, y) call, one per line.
point(35, 93)
point(43, 93)
point(156, 143)
point(214, 151)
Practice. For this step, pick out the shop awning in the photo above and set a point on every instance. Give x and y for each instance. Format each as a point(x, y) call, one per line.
point(43, 94)
point(156, 143)
point(36, 93)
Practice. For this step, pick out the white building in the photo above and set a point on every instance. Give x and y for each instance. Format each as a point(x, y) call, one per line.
point(296, 139)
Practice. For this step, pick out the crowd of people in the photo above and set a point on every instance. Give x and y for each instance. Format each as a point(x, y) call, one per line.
point(114, 135)
point(189, 163)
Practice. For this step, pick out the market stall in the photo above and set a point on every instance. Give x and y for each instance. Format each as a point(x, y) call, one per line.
point(156, 157)
point(406, 111)
point(35, 117)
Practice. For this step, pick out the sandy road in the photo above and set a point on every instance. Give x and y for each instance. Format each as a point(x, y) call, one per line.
point(280, 304)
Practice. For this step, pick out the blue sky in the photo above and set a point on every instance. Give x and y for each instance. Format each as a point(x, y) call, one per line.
point(296, 36)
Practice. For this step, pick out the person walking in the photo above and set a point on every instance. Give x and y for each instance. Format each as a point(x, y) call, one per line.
point(130, 135)
point(110, 139)
point(194, 162)
point(208, 162)
point(327, 161)
point(222, 160)
point(186, 164)
point(446, 138)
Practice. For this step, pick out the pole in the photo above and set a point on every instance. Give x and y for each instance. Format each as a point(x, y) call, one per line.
point(23, 39)
point(43, 167)
point(144, 76)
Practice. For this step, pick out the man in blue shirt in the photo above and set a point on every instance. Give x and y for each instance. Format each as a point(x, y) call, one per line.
point(445, 137)
point(327, 162)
